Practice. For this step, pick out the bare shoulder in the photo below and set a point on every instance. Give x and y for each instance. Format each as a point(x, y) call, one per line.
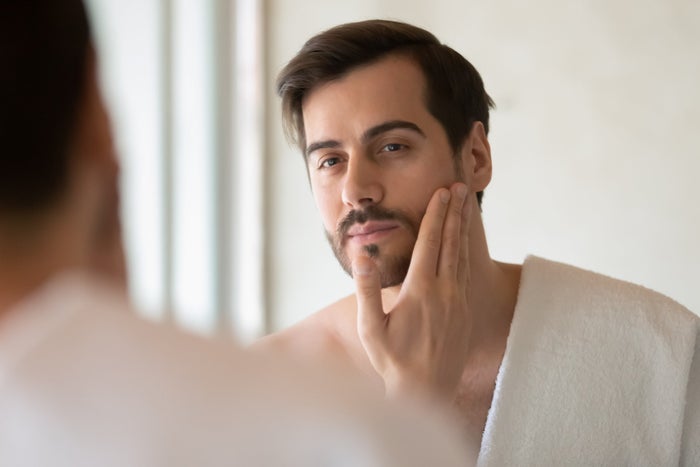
point(327, 332)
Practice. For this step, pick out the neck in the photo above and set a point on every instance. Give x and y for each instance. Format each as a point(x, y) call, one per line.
point(34, 250)
point(18, 279)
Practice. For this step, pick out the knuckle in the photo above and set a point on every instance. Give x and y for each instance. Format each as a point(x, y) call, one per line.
point(452, 242)
point(456, 208)
point(432, 240)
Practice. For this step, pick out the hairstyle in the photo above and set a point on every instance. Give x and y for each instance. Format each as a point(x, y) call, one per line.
point(455, 93)
point(44, 46)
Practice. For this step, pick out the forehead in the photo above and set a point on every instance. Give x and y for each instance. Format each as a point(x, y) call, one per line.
point(392, 88)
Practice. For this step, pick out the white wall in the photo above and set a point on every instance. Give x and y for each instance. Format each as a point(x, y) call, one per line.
point(594, 140)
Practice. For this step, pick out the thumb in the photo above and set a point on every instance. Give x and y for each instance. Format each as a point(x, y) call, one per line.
point(370, 313)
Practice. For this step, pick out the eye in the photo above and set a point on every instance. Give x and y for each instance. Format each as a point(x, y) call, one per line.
point(393, 147)
point(329, 162)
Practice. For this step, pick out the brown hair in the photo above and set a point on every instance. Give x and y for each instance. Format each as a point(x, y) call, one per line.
point(455, 93)
point(44, 46)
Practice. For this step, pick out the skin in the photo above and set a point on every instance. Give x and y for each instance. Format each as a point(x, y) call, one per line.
point(442, 332)
point(81, 228)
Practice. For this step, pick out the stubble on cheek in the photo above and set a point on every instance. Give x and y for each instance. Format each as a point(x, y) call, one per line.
point(339, 251)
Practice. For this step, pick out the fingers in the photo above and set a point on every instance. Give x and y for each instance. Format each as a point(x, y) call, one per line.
point(452, 240)
point(426, 252)
point(370, 313)
point(463, 271)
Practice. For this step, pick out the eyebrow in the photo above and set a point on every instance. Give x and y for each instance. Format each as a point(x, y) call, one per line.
point(367, 135)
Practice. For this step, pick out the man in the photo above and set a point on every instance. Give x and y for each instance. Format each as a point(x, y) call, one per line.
point(546, 364)
point(83, 381)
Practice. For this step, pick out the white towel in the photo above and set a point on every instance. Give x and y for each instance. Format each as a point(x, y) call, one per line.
point(596, 372)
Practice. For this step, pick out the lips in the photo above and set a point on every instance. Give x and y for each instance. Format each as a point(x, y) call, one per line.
point(371, 231)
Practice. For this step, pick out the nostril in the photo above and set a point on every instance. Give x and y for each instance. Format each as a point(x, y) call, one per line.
point(358, 192)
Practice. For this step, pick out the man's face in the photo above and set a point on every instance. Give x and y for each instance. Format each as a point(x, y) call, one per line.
point(375, 156)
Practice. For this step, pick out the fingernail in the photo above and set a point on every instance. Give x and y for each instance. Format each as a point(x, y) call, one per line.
point(445, 196)
point(461, 191)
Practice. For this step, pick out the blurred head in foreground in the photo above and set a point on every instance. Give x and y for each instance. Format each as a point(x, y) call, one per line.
point(58, 170)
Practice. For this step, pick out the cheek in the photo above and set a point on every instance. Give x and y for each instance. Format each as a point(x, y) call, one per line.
point(416, 206)
point(329, 206)
point(415, 192)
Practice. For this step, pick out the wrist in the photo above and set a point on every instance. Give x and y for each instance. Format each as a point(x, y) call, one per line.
point(401, 387)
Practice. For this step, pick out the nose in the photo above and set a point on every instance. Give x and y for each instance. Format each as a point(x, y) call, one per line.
point(362, 184)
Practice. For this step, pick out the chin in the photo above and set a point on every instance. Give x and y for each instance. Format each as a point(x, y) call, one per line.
point(393, 270)
point(392, 267)
point(393, 259)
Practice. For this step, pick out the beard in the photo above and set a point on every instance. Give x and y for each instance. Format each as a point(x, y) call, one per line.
point(392, 268)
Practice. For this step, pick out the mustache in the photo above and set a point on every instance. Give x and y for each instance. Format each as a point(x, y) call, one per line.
point(370, 213)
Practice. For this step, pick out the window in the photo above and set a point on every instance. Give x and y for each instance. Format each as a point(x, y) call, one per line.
point(183, 82)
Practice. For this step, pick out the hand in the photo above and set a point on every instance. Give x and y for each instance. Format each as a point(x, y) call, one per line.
point(421, 344)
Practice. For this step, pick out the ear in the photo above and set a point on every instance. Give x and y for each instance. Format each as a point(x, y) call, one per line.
point(97, 165)
point(93, 141)
point(476, 158)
